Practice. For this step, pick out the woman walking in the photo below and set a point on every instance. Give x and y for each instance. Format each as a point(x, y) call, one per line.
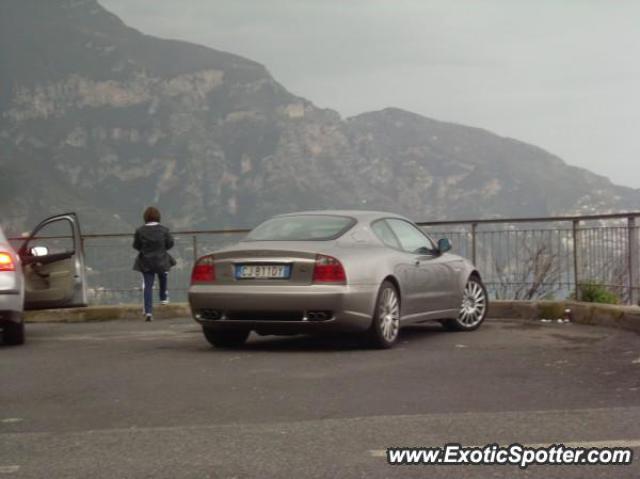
point(152, 240)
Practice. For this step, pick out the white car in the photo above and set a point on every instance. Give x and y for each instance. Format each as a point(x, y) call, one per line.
point(47, 271)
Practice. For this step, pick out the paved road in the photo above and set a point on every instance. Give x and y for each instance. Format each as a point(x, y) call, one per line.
point(134, 400)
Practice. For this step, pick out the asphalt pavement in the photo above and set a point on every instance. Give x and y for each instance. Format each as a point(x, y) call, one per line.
point(125, 399)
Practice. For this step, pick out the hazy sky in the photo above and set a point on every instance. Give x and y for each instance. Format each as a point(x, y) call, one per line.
point(561, 74)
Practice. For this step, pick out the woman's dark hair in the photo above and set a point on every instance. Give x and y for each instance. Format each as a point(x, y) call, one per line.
point(151, 215)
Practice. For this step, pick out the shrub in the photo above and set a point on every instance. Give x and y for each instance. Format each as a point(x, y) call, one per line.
point(596, 293)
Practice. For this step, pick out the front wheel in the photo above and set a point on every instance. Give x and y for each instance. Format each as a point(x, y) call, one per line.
point(385, 326)
point(473, 309)
point(221, 338)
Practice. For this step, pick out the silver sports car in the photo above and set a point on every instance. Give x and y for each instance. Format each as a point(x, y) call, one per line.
point(339, 271)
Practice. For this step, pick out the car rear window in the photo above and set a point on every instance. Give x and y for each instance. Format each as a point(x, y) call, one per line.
point(302, 228)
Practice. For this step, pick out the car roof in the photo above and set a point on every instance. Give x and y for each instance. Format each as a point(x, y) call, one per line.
point(360, 215)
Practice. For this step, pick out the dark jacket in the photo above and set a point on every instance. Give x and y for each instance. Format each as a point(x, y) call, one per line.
point(153, 241)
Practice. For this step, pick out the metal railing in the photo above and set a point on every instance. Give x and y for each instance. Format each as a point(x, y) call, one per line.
point(552, 257)
point(114, 281)
point(519, 258)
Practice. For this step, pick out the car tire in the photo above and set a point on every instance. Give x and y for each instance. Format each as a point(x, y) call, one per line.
point(385, 326)
point(221, 338)
point(474, 307)
point(13, 333)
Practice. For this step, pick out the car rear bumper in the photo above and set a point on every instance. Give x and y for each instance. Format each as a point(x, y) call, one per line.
point(284, 309)
point(11, 304)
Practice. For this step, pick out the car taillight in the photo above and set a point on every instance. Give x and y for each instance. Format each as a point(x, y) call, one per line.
point(328, 270)
point(204, 271)
point(6, 262)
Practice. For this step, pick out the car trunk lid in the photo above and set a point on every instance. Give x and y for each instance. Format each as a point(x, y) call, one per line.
point(267, 263)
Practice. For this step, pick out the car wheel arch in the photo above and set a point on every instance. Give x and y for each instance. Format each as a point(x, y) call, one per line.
point(396, 284)
point(475, 274)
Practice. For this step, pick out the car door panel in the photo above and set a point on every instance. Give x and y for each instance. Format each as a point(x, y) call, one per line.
point(433, 276)
point(56, 279)
point(440, 283)
point(405, 268)
point(408, 272)
point(415, 251)
point(433, 272)
point(49, 284)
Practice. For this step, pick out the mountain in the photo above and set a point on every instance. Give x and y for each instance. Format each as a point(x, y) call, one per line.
point(102, 119)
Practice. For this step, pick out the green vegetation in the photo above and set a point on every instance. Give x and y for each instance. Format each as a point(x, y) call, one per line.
point(592, 292)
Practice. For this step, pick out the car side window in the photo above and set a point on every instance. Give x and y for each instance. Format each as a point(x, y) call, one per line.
point(52, 238)
point(382, 231)
point(412, 240)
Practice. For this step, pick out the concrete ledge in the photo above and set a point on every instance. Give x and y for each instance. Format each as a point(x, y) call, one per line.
point(614, 316)
point(609, 315)
point(106, 313)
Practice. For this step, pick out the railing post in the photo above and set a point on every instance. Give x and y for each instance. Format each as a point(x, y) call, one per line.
point(632, 259)
point(194, 240)
point(576, 276)
point(474, 228)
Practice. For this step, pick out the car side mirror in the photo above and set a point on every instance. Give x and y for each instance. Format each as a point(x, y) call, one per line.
point(444, 245)
point(39, 251)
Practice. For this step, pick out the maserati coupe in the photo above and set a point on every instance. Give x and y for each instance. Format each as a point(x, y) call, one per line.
point(334, 271)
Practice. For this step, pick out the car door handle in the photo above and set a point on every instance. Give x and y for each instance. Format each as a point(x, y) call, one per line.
point(417, 262)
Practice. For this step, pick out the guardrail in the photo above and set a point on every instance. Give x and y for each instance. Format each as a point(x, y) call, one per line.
point(519, 258)
point(551, 257)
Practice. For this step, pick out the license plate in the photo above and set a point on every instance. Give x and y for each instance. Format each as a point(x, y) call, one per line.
point(263, 271)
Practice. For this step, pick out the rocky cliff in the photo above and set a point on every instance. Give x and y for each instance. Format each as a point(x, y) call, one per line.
point(99, 118)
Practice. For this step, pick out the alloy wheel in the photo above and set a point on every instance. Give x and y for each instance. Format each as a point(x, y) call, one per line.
point(474, 304)
point(389, 314)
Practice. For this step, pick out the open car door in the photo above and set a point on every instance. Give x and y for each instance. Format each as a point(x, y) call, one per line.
point(53, 264)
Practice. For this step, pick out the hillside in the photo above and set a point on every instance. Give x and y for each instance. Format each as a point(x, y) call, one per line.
point(100, 118)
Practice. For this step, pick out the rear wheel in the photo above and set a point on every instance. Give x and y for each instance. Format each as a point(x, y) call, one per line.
point(221, 338)
point(385, 326)
point(473, 309)
point(13, 333)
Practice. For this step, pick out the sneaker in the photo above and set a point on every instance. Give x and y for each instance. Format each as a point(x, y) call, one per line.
point(148, 317)
point(164, 301)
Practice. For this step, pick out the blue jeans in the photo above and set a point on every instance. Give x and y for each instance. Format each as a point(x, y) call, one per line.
point(147, 286)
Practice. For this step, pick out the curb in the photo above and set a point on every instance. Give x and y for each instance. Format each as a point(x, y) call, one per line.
point(594, 314)
point(106, 313)
point(607, 315)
